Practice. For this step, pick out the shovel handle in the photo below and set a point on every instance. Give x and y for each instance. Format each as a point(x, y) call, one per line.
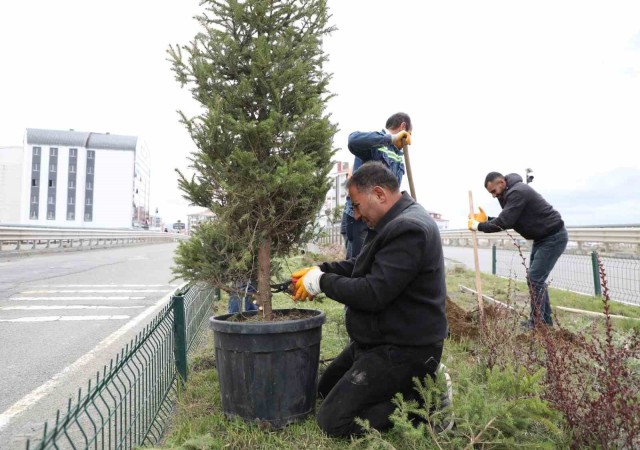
point(407, 163)
point(476, 262)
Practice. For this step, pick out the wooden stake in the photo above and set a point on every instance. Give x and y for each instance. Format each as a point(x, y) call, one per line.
point(407, 162)
point(476, 262)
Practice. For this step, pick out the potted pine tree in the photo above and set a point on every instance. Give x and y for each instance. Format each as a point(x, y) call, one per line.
point(264, 148)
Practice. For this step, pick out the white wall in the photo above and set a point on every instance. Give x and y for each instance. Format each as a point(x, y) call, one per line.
point(11, 184)
point(113, 189)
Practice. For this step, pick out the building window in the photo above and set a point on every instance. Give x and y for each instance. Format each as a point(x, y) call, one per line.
point(51, 200)
point(89, 170)
point(90, 154)
point(52, 168)
point(36, 151)
point(72, 184)
point(88, 201)
point(36, 167)
point(73, 152)
point(50, 215)
point(52, 183)
point(53, 152)
point(89, 186)
point(71, 216)
point(87, 217)
point(34, 214)
point(72, 169)
point(34, 182)
point(71, 200)
point(34, 199)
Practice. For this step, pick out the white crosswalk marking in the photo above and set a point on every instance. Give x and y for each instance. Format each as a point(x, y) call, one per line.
point(50, 307)
point(95, 291)
point(103, 285)
point(63, 298)
point(75, 298)
point(63, 318)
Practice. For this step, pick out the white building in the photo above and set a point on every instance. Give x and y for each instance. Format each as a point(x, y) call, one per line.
point(336, 195)
point(195, 219)
point(76, 179)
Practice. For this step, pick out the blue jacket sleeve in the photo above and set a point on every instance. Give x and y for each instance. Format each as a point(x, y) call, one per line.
point(361, 144)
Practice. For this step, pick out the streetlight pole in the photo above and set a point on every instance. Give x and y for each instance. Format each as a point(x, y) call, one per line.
point(528, 177)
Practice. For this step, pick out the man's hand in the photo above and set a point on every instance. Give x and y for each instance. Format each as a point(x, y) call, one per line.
point(480, 217)
point(295, 276)
point(308, 285)
point(401, 138)
point(473, 224)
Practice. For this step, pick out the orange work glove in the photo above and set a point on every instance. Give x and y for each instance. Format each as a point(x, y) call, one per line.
point(480, 217)
point(299, 292)
point(401, 138)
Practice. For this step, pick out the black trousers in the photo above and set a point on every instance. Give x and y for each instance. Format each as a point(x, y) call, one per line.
point(362, 381)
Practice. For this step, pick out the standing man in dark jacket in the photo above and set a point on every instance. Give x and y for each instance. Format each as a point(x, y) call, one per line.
point(384, 146)
point(524, 210)
point(395, 292)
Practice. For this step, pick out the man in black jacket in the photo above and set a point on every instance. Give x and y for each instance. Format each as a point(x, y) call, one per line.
point(395, 295)
point(524, 210)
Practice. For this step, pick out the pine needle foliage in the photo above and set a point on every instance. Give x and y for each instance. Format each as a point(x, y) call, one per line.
point(264, 139)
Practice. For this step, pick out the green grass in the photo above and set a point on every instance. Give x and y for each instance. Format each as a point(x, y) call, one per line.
point(510, 291)
point(198, 422)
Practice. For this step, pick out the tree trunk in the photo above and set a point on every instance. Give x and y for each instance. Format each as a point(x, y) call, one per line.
point(264, 277)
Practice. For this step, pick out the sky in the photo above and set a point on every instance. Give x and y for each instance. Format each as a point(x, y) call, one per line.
point(490, 86)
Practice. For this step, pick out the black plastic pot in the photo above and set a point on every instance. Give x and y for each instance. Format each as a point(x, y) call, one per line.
point(268, 370)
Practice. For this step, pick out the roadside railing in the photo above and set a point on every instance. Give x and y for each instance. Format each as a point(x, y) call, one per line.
point(578, 273)
point(577, 270)
point(34, 238)
point(128, 405)
point(622, 239)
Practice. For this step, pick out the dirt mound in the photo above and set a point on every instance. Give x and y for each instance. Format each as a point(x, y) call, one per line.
point(466, 325)
point(462, 324)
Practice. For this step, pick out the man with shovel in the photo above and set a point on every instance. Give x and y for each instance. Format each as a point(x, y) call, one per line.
point(524, 210)
point(384, 146)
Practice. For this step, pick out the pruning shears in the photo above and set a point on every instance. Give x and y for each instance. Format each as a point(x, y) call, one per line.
point(286, 286)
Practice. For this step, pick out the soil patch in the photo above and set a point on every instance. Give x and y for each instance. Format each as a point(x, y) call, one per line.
point(276, 316)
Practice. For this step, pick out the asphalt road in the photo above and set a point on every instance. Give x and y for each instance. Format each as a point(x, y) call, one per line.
point(63, 316)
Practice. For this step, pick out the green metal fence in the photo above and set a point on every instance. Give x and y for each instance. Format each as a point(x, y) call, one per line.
point(128, 403)
point(579, 273)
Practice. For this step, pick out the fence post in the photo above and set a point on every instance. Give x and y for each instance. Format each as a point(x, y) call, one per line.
point(493, 259)
point(179, 336)
point(596, 274)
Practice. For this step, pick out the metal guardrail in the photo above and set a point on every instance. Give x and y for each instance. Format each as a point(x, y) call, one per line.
point(625, 239)
point(578, 273)
point(129, 404)
point(37, 237)
point(580, 237)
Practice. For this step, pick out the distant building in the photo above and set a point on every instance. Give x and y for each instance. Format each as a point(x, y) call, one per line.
point(336, 195)
point(11, 179)
point(443, 224)
point(195, 219)
point(76, 179)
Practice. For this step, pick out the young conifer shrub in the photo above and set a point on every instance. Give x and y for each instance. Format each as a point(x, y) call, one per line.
point(264, 139)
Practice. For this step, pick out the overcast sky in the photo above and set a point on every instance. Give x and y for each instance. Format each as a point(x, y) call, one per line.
point(490, 85)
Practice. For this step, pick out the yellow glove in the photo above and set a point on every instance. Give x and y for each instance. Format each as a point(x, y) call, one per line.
point(480, 217)
point(401, 138)
point(309, 285)
point(473, 224)
point(295, 276)
point(299, 292)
